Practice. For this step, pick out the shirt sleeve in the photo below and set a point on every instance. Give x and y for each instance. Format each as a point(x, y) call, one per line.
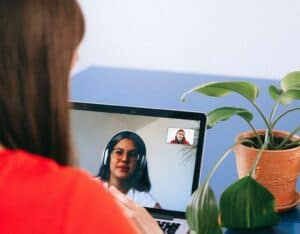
point(149, 201)
point(142, 198)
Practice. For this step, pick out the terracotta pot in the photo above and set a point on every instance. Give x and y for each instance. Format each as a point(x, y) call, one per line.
point(277, 170)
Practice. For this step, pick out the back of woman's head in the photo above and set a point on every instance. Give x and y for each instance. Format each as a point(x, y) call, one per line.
point(37, 42)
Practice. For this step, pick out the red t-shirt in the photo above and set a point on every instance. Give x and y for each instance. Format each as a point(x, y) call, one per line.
point(39, 196)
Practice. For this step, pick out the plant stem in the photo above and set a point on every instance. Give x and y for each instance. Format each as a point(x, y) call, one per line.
point(266, 122)
point(258, 157)
point(291, 145)
point(273, 112)
point(283, 114)
point(256, 134)
point(288, 137)
point(222, 158)
point(271, 119)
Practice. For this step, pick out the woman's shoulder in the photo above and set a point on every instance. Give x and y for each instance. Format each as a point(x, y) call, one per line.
point(36, 170)
point(87, 207)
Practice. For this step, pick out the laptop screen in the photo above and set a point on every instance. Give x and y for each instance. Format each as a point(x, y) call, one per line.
point(166, 147)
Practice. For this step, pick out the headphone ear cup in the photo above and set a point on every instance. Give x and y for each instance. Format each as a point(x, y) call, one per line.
point(105, 156)
point(142, 162)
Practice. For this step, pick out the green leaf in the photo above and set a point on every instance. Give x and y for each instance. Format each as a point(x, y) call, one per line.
point(247, 204)
point(218, 89)
point(224, 113)
point(291, 81)
point(290, 85)
point(290, 95)
point(202, 212)
point(275, 92)
point(284, 97)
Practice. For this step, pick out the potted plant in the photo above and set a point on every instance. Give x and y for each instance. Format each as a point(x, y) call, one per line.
point(262, 190)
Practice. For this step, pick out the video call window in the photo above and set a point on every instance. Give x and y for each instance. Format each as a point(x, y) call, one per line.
point(93, 131)
point(180, 136)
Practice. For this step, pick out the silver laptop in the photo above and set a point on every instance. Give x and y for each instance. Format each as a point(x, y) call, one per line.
point(168, 150)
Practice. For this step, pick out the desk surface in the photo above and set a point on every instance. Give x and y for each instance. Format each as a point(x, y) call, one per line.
point(163, 90)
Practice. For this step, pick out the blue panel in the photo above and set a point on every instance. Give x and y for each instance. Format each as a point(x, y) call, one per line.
point(163, 90)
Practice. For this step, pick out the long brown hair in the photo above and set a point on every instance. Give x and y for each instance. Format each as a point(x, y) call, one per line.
point(37, 42)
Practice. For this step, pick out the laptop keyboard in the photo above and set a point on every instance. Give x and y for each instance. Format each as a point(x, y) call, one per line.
point(168, 227)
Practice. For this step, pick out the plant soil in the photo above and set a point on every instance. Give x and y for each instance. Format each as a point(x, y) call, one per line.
point(277, 141)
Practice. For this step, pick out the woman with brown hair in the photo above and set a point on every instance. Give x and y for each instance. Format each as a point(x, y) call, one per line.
point(40, 191)
point(180, 138)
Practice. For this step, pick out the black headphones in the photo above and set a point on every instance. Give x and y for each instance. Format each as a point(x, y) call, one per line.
point(139, 143)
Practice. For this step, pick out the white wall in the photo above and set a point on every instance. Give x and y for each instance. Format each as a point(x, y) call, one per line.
point(243, 38)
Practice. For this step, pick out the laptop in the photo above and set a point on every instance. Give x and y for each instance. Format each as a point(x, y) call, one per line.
point(173, 166)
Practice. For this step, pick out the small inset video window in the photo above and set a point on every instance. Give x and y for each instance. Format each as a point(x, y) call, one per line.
point(180, 136)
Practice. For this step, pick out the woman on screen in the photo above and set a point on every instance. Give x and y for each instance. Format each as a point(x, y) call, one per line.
point(124, 166)
point(180, 138)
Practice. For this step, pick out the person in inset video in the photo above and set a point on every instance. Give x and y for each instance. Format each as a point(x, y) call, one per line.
point(124, 165)
point(180, 138)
